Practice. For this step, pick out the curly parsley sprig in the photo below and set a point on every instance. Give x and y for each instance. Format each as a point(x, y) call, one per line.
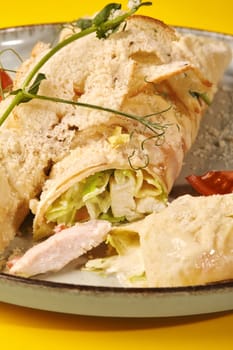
point(102, 24)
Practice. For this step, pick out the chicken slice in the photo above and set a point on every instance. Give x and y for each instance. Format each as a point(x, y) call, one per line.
point(61, 248)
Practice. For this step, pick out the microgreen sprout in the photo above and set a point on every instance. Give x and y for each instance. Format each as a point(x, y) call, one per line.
point(156, 128)
point(107, 21)
point(102, 24)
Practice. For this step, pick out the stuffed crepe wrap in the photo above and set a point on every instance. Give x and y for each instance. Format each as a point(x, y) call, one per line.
point(145, 68)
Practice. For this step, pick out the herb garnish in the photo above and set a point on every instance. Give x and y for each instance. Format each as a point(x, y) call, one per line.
point(104, 23)
point(157, 128)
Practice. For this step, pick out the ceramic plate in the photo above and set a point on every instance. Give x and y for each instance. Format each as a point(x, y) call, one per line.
point(85, 293)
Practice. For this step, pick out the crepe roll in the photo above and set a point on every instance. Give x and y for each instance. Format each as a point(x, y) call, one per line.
point(97, 181)
point(144, 69)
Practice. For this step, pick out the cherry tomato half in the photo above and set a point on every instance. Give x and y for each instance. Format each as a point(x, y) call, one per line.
point(5, 81)
point(212, 182)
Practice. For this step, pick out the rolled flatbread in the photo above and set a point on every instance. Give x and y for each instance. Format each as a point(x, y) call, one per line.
point(144, 69)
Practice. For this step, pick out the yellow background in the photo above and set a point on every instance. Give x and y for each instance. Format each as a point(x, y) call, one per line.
point(207, 14)
point(22, 328)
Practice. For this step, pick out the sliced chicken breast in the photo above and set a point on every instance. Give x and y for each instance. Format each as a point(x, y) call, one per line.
point(61, 248)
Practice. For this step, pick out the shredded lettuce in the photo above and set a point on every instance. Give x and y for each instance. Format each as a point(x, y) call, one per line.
point(95, 196)
point(95, 185)
point(118, 195)
point(64, 209)
point(118, 138)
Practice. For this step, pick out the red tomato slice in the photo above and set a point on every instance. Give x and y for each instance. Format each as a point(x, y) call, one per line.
point(5, 81)
point(212, 182)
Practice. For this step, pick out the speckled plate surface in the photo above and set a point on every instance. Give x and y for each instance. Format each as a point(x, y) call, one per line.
point(85, 293)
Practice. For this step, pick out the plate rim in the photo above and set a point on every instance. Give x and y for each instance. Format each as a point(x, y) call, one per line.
point(58, 23)
point(210, 287)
